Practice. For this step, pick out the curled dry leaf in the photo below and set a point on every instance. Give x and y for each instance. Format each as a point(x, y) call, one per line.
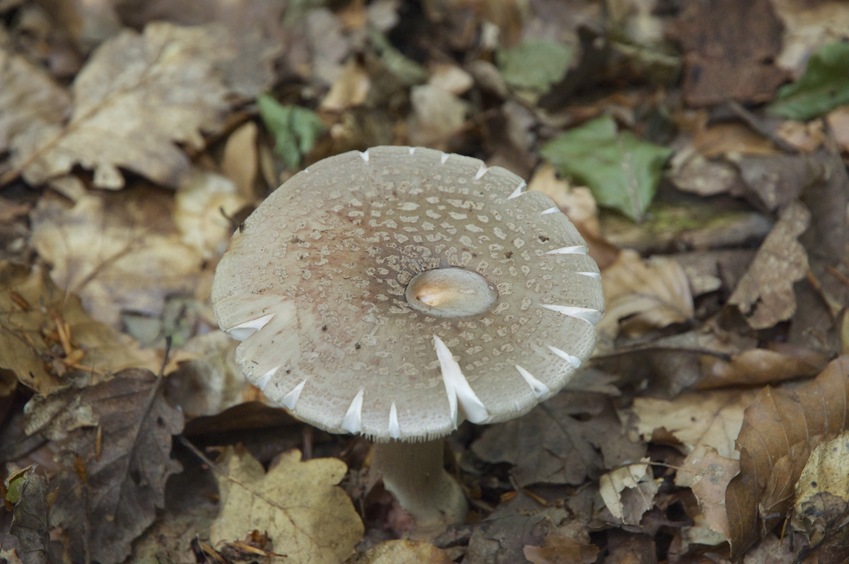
point(644, 294)
point(47, 338)
point(779, 432)
point(118, 251)
point(114, 443)
point(765, 293)
point(137, 96)
point(299, 504)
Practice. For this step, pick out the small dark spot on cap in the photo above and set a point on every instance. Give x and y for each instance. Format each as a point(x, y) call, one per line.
point(357, 346)
point(324, 327)
point(508, 254)
point(288, 371)
point(813, 483)
point(543, 239)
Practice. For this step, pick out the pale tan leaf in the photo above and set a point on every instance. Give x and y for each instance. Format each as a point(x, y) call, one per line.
point(644, 294)
point(308, 517)
point(137, 96)
point(117, 251)
point(628, 491)
point(28, 96)
point(765, 293)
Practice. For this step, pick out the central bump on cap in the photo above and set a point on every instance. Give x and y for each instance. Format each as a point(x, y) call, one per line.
point(451, 292)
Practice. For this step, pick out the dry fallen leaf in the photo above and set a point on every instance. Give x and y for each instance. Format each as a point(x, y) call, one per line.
point(707, 425)
point(48, 340)
point(765, 293)
point(115, 446)
point(118, 251)
point(821, 507)
point(779, 432)
point(28, 96)
point(628, 491)
point(644, 294)
point(308, 517)
point(566, 544)
point(137, 96)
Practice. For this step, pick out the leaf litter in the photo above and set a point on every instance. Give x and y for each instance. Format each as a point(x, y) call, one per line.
point(705, 166)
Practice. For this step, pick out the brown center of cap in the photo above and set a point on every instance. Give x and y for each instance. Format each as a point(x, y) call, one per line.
point(451, 292)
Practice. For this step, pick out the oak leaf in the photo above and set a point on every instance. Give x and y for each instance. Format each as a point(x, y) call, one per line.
point(308, 517)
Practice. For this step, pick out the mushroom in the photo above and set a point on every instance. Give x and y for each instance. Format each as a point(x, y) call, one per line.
point(399, 291)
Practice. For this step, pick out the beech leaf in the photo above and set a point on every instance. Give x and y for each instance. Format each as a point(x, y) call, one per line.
point(780, 429)
point(299, 504)
point(622, 171)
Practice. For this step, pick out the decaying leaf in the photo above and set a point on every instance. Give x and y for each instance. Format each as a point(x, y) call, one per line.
point(765, 293)
point(621, 170)
point(551, 445)
point(534, 65)
point(136, 97)
point(308, 517)
point(821, 507)
point(29, 517)
point(628, 491)
point(779, 432)
point(115, 449)
point(643, 295)
point(295, 129)
point(48, 340)
point(118, 251)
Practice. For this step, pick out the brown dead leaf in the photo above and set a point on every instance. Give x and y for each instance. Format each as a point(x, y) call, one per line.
point(765, 293)
point(28, 96)
point(350, 89)
point(643, 295)
point(49, 341)
point(405, 552)
point(729, 48)
point(115, 447)
point(758, 367)
point(437, 115)
point(838, 125)
point(552, 445)
point(117, 251)
point(779, 432)
point(29, 521)
point(807, 27)
point(777, 181)
point(240, 161)
point(137, 96)
point(308, 517)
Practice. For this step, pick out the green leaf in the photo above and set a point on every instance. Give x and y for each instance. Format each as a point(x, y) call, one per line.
point(534, 65)
point(824, 86)
point(295, 129)
point(621, 171)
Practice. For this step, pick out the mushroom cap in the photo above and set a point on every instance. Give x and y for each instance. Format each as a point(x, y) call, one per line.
point(315, 285)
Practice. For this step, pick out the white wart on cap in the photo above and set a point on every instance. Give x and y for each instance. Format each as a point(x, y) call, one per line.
point(398, 291)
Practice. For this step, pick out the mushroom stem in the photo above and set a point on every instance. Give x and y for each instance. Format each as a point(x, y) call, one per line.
point(414, 474)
